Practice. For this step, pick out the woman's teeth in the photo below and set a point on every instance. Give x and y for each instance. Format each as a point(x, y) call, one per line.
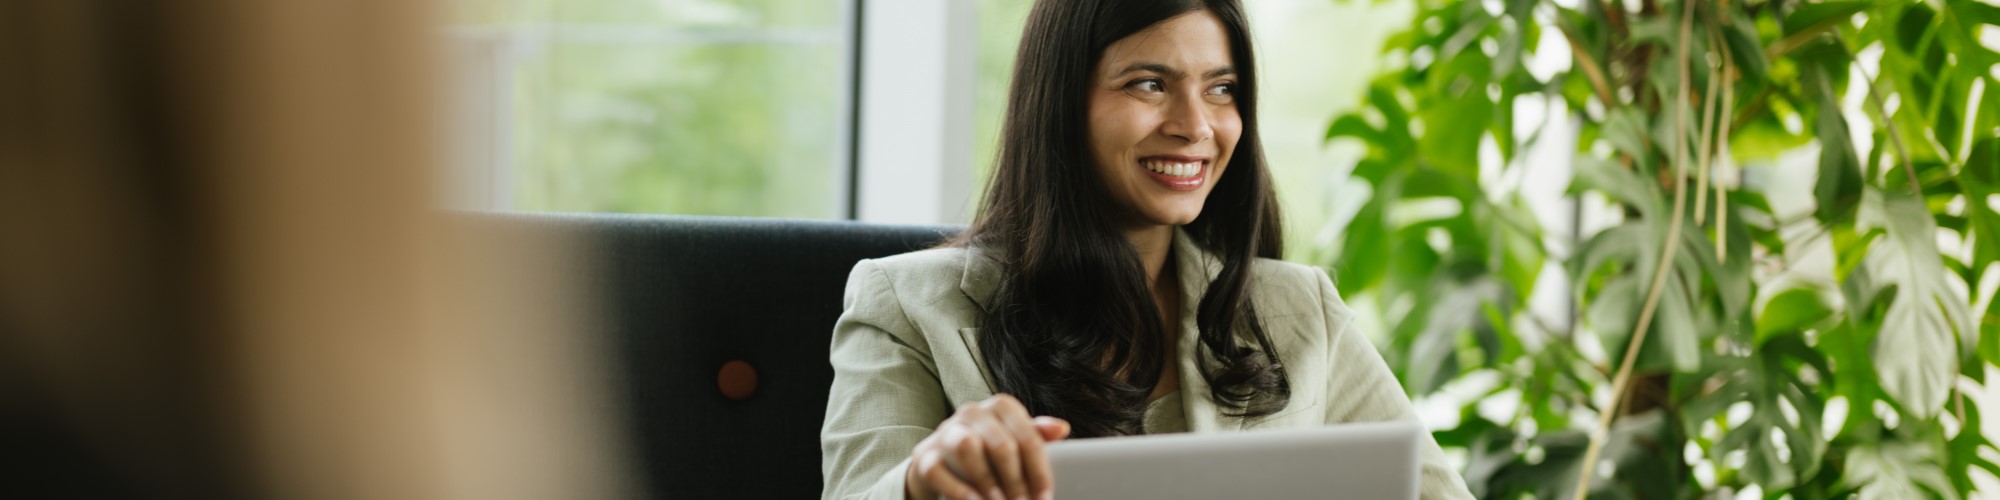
point(1173, 169)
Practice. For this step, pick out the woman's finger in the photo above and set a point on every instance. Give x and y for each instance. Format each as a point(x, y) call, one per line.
point(1034, 460)
point(932, 470)
point(1003, 449)
point(969, 458)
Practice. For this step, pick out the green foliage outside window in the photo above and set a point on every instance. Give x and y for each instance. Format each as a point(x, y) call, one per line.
point(705, 107)
point(1664, 91)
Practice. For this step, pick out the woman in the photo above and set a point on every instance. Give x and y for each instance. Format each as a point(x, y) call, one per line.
point(1120, 279)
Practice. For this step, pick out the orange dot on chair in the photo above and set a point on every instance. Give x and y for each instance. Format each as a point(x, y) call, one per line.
point(738, 380)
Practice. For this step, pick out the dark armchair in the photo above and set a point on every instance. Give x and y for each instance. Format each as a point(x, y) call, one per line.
point(720, 330)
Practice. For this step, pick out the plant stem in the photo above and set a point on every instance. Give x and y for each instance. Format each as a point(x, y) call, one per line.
point(1959, 398)
point(1620, 383)
point(1613, 15)
point(1801, 39)
point(1590, 68)
point(1721, 153)
point(1708, 99)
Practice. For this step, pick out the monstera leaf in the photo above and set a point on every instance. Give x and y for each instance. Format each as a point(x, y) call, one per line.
point(1784, 408)
point(1917, 351)
point(1898, 470)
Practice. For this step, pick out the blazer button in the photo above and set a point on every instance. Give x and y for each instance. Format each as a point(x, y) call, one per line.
point(738, 380)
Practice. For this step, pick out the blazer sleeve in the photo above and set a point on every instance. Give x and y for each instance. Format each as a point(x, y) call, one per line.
point(1364, 390)
point(885, 396)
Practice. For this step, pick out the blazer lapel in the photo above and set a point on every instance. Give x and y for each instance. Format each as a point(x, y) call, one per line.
point(981, 277)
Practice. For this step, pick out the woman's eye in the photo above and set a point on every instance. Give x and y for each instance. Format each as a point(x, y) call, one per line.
point(1149, 85)
point(1223, 89)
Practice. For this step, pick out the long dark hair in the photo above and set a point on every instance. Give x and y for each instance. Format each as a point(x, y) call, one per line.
point(1072, 330)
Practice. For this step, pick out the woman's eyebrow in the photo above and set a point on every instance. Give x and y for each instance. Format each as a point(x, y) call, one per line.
point(1153, 67)
point(1170, 72)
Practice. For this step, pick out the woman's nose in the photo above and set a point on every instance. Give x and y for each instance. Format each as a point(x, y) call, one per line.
point(1187, 120)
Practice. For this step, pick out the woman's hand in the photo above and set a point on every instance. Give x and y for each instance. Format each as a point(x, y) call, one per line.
point(988, 449)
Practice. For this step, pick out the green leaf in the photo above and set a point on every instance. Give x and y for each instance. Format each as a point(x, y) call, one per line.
point(1768, 380)
point(1852, 249)
point(1730, 280)
point(1621, 244)
point(1979, 178)
point(1916, 355)
point(1364, 249)
point(1897, 470)
point(1382, 95)
point(1791, 311)
point(1764, 137)
point(1674, 326)
point(1965, 451)
point(1489, 449)
point(1622, 185)
point(1514, 242)
point(1453, 310)
point(1982, 164)
point(1672, 342)
point(1814, 14)
point(1989, 333)
point(1626, 129)
point(1457, 116)
point(1839, 168)
point(1978, 12)
point(1353, 126)
point(1845, 345)
point(1655, 29)
point(1741, 38)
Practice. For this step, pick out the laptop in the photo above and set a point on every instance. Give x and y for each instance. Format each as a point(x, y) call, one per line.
point(1361, 461)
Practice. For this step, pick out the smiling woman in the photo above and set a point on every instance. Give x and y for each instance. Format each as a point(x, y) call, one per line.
point(1164, 113)
point(1120, 278)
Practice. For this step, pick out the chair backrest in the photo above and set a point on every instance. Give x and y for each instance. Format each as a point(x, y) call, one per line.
point(684, 296)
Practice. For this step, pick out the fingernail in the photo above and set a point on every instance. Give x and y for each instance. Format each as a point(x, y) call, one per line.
point(995, 494)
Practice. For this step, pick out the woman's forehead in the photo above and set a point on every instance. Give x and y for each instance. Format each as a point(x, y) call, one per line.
point(1192, 43)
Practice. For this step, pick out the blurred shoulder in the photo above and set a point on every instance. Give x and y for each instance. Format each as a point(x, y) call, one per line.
point(1282, 288)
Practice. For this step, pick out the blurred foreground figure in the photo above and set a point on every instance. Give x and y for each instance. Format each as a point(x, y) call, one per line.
point(222, 276)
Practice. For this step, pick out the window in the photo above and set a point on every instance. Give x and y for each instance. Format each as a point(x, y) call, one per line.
point(749, 107)
point(710, 107)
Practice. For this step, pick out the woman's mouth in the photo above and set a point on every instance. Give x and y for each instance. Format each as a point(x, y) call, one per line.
point(1178, 174)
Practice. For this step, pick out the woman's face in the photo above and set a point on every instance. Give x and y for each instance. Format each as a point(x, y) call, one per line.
point(1163, 118)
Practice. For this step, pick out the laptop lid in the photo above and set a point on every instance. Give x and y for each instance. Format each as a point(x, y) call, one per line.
point(1362, 460)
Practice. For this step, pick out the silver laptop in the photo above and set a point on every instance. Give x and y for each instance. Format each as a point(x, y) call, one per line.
point(1361, 461)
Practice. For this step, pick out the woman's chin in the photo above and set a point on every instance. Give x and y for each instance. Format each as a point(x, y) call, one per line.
point(1174, 216)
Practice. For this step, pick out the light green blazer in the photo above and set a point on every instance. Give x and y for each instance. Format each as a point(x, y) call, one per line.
point(906, 352)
